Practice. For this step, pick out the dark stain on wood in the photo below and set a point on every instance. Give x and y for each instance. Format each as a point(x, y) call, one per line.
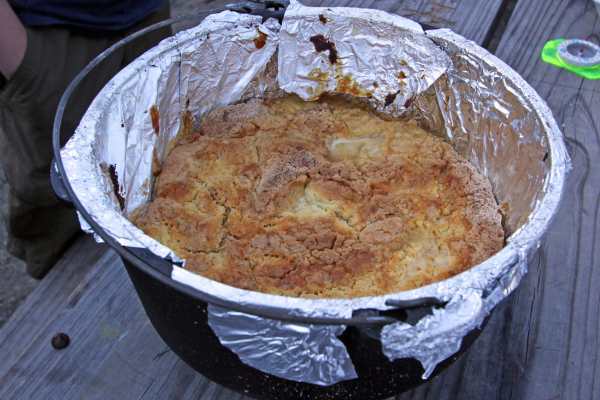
point(321, 44)
point(60, 341)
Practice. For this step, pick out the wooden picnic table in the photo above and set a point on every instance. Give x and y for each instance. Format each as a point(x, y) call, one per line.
point(541, 343)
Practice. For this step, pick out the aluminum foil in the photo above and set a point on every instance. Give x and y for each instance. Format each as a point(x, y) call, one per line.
point(303, 353)
point(489, 113)
point(436, 337)
point(368, 53)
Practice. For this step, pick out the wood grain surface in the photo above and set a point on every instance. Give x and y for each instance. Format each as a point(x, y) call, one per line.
point(473, 19)
point(540, 344)
point(560, 301)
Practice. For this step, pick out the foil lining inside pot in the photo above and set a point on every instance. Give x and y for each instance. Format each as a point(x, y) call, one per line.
point(452, 86)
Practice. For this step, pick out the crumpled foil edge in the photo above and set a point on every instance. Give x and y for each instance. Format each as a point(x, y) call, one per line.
point(301, 353)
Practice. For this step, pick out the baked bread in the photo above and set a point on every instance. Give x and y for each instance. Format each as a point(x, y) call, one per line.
point(320, 199)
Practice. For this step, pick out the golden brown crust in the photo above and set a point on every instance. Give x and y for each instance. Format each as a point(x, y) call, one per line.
point(320, 200)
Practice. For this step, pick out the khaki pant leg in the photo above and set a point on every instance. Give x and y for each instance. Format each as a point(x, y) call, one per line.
point(39, 226)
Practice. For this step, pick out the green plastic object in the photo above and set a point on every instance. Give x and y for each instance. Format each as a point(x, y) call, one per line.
point(577, 56)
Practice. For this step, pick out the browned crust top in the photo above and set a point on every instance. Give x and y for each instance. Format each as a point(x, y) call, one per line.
point(320, 199)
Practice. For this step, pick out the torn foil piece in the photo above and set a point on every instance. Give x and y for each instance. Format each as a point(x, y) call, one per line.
point(360, 52)
point(439, 336)
point(435, 337)
point(301, 353)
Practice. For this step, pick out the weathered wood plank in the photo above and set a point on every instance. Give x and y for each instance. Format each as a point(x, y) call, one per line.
point(562, 349)
point(114, 351)
point(473, 19)
point(61, 289)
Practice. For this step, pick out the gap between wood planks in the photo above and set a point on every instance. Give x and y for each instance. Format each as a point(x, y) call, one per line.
point(492, 39)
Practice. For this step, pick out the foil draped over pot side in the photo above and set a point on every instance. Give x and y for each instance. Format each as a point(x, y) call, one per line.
point(302, 353)
point(438, 336)
point(365, 53)
point(453, 87)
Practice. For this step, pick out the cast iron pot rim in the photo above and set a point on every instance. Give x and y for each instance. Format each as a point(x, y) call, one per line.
point(512, 253)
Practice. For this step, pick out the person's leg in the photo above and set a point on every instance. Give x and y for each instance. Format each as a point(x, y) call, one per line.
point(147, 41)
point(40, 226)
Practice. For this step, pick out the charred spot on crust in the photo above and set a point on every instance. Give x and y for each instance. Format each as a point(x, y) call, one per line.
point(111, 171)
point(322, 18)
point(154, 117)
point(321, 44)
point(260, 40)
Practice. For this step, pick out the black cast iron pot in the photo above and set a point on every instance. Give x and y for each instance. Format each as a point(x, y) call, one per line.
point(175, 309)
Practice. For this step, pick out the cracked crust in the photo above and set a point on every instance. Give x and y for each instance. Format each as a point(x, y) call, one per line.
point(320, 199)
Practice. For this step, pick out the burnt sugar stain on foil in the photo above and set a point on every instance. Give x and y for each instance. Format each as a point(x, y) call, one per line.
point(260, 40)
point(321, 44)
point(389, 99)
point(154, 117)
point(111, 171)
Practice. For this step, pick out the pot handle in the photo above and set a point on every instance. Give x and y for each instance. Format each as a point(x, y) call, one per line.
point(265, 8)
point(56, 181)
point(162, 265)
